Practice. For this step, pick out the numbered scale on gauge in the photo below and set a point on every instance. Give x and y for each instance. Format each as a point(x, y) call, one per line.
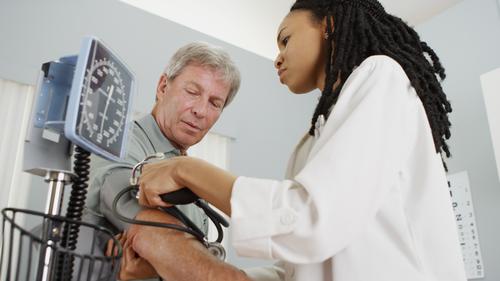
point(103, 121)
point(103, 102)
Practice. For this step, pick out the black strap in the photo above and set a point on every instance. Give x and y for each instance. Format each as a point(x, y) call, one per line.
point(145, 134)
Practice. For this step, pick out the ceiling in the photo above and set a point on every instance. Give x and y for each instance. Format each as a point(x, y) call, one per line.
point(252, 24)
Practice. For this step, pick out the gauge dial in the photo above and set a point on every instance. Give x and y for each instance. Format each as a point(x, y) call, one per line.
point(104, 95)
point(104, 104)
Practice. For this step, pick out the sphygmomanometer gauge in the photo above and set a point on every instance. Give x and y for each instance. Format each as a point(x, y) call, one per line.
point(100, 101)
point(104, 104)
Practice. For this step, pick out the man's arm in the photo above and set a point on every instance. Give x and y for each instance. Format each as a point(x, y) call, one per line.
point(176, 255)
point(114, 182)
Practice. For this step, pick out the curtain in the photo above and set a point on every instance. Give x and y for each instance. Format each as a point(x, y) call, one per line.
point(214, 148)
point(15, 100)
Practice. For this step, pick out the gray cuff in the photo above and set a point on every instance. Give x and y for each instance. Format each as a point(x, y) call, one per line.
point(115, 181)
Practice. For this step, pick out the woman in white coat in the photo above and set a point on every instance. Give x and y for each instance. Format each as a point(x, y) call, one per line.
point(366, 197)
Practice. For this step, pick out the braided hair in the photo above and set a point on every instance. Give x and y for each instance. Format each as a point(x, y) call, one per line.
point(362, 29)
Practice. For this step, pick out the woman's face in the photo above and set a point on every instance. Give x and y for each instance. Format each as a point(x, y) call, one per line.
point(301, 59)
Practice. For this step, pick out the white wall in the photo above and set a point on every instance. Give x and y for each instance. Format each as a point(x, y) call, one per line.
point(467, 39)
point(265, 119)
point(228, 20)
point(490, 83)
point(245, 23)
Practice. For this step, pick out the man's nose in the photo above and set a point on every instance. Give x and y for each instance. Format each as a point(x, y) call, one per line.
point(200, 108)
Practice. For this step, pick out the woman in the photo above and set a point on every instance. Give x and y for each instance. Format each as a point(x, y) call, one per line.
point(366, 196)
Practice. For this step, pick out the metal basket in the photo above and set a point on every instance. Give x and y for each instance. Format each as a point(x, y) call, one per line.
point(40, 253)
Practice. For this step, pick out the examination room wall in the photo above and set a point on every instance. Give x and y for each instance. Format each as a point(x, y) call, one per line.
point(264, 120)
point(467, 39)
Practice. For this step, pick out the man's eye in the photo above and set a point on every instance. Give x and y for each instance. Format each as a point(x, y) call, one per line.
point(216, 105)
point(191, 92)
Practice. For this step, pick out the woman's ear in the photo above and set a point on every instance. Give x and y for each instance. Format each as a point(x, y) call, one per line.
point(328, 20)
point(161, 89)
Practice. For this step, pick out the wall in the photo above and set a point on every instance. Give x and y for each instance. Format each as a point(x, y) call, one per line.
point(490, 84)
point(264, 120)
point(243, 31)
point(467, 39)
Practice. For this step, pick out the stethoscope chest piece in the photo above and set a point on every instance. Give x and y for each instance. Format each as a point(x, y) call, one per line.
point(217, 250)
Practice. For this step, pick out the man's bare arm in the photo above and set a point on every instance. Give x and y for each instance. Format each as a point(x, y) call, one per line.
point(176, 255)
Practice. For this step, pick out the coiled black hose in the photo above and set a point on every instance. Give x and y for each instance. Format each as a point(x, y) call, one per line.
point(74, 211)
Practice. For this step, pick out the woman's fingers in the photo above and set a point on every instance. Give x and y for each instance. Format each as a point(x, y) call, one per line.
point(142, 198)
point(150, 197)
point(156, 179)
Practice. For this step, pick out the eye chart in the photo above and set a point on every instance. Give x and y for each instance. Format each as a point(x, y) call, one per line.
point(466, 223)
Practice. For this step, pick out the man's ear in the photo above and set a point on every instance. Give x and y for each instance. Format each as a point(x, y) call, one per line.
point(161, 89)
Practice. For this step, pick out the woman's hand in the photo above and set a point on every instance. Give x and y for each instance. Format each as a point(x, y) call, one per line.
point(202, 178)
point(159, 178)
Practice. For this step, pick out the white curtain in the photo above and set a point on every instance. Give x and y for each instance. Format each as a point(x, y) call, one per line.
point(214, 148)
point(15, 100)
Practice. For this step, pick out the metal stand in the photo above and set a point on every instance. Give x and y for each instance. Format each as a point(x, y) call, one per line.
point(53, 129)
point(57, 180)
point(52, 231)
point(37, 254)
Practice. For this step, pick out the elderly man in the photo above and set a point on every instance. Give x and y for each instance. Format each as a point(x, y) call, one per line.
point(199, 81)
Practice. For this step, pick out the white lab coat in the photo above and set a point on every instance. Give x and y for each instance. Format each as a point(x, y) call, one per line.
point(366, 200)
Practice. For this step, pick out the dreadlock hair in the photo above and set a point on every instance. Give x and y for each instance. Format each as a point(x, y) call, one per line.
point(362, 29)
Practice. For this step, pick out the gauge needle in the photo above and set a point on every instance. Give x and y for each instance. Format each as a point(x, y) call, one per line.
point(111, 89)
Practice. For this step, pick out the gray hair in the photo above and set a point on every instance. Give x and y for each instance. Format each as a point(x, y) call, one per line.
point(206, 55)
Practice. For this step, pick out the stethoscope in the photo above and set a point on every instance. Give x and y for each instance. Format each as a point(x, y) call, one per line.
point(179, 197)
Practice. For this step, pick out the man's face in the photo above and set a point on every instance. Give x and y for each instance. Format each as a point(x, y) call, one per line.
point(189, 105)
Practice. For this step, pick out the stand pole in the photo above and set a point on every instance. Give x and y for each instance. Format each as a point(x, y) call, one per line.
point(51, 229)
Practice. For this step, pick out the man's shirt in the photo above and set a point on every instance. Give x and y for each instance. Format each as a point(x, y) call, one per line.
point(108, 178)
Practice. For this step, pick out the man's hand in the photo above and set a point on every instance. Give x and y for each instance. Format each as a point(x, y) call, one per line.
point(132, 266)
point(165, 249)
point(154, 242)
